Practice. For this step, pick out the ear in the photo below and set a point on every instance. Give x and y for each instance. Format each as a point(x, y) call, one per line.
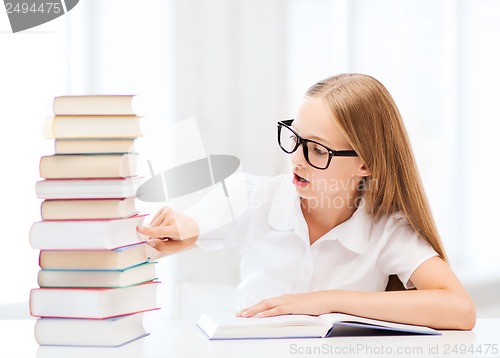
point(364, 171)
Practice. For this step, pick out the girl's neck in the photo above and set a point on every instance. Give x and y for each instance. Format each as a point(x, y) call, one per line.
point(321, 219)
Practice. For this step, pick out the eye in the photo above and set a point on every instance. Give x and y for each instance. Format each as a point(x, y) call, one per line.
point(318, 150)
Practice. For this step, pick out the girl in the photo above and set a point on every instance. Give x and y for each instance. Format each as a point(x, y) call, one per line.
point(353, 212)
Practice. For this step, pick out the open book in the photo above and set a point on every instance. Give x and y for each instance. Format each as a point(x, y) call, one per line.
point(227, 326)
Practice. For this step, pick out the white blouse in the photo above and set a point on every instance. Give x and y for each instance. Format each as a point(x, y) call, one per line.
point(277, 258)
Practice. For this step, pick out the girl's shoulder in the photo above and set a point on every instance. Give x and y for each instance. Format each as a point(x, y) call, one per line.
point(385, 229)
point(393, 232)
point(386, 222)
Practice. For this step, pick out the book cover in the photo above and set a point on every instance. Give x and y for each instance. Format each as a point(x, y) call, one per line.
point(88, 188)
point(94, 105)
point(94, 145)
point(98, 278)
point(110, 332)
point(73, 209)
point(88, 166)
point(92, 303)
point(79, 127)
point(85, 234)
point(116, 259)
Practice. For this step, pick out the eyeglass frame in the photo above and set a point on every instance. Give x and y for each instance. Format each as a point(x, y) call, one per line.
point(331, 152)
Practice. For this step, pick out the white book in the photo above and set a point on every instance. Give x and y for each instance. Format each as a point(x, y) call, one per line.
point(116, 259)
point(77, 166)
point(87, 127)
point(92, 303)
point(85, 234)
point(111, 332)
point(90, 188)
point(228, 326)
point(95, 105)
point(94, 145)
point(77, 209)
point(98, 278)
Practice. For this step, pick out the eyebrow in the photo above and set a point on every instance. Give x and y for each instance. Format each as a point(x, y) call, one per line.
point(313, 137)
point(319, 139)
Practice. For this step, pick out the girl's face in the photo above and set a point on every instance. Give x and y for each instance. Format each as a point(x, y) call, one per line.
point(337, 185)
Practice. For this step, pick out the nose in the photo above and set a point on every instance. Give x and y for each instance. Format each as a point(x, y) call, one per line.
point(297, 158)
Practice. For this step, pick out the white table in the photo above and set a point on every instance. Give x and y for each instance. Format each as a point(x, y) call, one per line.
point(184, 339)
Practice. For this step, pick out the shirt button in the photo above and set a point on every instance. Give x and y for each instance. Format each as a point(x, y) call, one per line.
point(308, 271)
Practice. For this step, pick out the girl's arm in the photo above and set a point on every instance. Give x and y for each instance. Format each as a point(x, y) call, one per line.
point(440, 301)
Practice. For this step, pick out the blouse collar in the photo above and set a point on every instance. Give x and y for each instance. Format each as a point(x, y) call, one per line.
point(285, 215)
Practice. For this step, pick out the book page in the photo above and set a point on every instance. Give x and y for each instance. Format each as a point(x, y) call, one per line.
point(229, 320)
point(333, 318)
point(228, 326)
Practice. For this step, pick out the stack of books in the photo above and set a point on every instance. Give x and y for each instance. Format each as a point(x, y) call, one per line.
point(96, 280)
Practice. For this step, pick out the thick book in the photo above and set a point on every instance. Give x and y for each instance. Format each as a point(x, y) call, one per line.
point(89, 188)
point(228, 326)
point(110, 332)
point(94, 105)
point(88, 209)
point(98, 278)
point(85, 234)
point(88, 165)
point(116, 259)
point(92, 303)
point(93, 127)
point(95, 145)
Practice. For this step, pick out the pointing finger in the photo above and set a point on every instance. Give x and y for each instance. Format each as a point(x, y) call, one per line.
point(158, 231)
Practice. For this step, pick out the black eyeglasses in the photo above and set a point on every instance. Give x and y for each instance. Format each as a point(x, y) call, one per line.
point(316, 154)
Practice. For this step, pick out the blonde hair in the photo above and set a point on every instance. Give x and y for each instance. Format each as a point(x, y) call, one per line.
point(366, 114)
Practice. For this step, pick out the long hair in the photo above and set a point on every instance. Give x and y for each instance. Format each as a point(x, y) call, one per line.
point(366, 114)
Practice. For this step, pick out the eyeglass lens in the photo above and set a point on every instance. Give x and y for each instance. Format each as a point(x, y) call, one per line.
point(316, 154)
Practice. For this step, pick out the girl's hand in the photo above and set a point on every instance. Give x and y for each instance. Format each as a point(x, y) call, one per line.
point(170, 231)
point(312, 303)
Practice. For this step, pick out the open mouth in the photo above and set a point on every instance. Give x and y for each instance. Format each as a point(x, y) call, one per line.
point(299, 178)
point(299, 181)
